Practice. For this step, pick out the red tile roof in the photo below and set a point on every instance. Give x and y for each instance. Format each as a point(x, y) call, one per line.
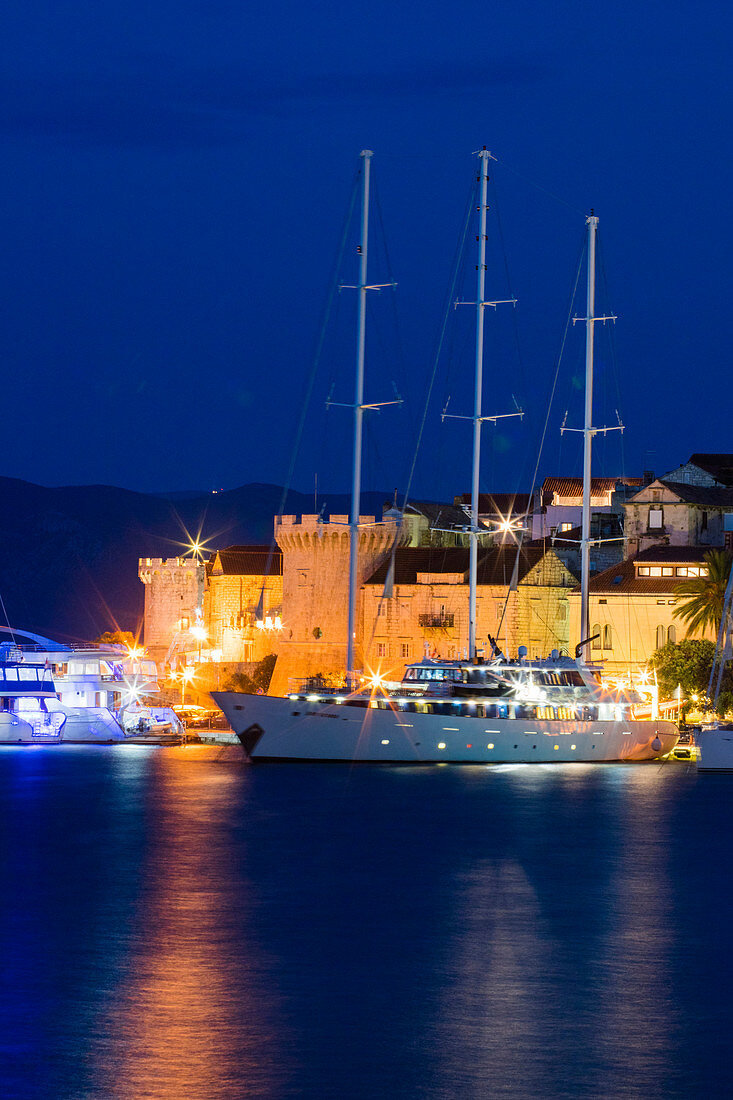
point(573, 486)
point(495, 566)
point(668, 554)
point(257, 561)
point(715, 496)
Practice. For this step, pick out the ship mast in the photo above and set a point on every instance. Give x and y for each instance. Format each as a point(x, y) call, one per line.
point(478, 390)
point(592, 222)
point(358, 414)
point(478, 419)
point(588, 430)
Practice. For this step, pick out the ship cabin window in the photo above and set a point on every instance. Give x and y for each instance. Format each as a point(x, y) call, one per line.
point(423, 674)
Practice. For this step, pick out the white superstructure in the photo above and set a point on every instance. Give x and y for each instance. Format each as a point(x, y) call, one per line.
point(90, 693)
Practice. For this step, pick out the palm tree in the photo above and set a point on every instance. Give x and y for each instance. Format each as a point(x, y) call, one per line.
point(701, 599)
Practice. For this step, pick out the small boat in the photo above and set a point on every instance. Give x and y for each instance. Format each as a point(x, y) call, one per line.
point(472, 711)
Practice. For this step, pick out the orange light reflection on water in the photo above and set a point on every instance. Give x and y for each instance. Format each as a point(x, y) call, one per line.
point(190, 1018)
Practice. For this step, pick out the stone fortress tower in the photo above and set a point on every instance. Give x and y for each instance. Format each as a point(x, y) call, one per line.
point(173, 599)
point(316, 590)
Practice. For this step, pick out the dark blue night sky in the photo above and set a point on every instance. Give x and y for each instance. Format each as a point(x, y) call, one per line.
point(176, 177)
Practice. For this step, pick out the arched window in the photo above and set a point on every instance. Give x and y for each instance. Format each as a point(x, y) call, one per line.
point(607, 638)
point(672, 634)
point(596, 630)
point(660, 636)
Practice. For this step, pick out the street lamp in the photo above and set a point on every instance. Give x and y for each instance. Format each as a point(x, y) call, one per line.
point(187, 675)
point(199, 633)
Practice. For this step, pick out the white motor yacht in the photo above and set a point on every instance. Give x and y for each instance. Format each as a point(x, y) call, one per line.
point(91, 693)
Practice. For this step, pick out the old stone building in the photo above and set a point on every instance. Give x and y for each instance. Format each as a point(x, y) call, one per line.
point(631, 606)
point(674, 513)
point(704, 470)
point(174, 592)
point(522, 599)
point(243, 603)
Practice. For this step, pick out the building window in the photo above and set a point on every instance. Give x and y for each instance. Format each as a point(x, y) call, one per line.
point(643, 570)
point(672, 634)
point(607, 638)
point(405, 649)
point(656, 519)
point(667, 571)
point(680, 571)
point(660, 636)
point(565, 527)
point(596, 635)
point(381, 649)
point(704, 521)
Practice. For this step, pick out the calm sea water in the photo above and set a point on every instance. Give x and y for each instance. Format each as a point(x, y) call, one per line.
point(177, 924)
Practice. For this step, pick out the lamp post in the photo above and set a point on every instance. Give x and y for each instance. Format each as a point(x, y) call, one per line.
point(199, 633)
point(187, 674)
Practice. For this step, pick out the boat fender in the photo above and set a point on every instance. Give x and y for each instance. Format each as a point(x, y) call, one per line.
point(656, 744)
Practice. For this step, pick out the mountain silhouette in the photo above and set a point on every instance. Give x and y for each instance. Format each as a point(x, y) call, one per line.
point(69, 556)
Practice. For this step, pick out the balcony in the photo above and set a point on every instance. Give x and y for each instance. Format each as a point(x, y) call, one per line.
point(437, 622)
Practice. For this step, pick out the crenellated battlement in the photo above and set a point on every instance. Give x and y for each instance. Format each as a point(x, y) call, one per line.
point(150, 568)
point(309, 533)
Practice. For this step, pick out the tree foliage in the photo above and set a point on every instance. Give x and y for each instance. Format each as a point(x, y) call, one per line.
point(700, 599)
point(688, 663)
point(256, 683)
point(117, 637)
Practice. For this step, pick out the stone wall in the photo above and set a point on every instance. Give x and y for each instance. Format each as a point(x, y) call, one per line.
point(431, 617)
point(231, 606)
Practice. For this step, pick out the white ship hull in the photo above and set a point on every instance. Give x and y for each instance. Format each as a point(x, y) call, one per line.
point(272, 728)
point(715, 750)
point(63, 725)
